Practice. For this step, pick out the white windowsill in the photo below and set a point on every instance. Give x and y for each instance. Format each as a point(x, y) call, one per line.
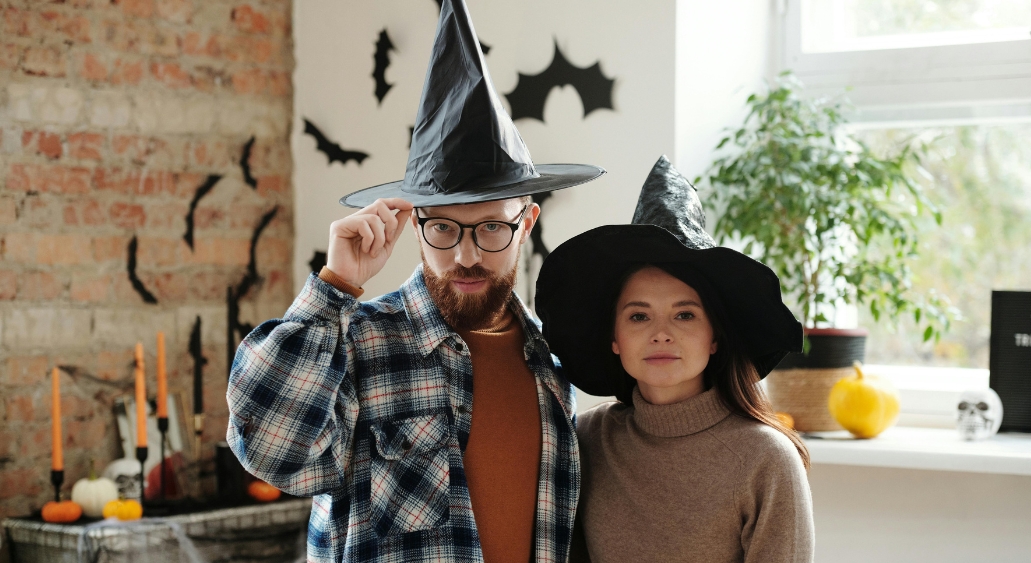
point(925, 436)
point(935, 449)
point(928, 395)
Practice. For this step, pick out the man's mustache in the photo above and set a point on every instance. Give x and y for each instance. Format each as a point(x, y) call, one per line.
point(461, 272)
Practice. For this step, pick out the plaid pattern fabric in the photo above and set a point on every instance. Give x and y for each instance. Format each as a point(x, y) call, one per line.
point(357, 404)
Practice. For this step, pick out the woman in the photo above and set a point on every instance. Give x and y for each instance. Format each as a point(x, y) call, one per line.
point(690, 464)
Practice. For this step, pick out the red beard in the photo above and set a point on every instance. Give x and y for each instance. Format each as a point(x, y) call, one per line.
point(470, 311)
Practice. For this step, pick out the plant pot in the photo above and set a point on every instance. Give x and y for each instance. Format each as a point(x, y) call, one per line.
point(801, 383)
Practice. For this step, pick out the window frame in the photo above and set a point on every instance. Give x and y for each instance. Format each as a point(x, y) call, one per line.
point(950, 81)
point(965, 84)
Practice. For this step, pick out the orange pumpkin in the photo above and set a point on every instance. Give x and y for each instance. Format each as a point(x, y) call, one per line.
point(123, 509)
point(262, 491)
point(61, 512)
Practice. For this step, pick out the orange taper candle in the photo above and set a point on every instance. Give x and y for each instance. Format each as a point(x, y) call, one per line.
point(57, 463)
point(162, 381)
point(141, 400)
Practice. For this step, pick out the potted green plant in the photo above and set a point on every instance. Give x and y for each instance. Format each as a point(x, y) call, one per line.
point(837, 223)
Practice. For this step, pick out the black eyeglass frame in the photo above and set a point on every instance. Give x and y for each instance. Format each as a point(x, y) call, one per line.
point(462, 227)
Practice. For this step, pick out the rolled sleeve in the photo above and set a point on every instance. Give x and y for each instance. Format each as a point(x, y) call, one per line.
point(292, 401)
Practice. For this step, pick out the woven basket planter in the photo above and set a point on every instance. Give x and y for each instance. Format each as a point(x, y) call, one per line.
point(801, 384)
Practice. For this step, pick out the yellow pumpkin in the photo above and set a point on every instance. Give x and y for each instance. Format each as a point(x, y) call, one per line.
point(123, 509)
point(865, 405)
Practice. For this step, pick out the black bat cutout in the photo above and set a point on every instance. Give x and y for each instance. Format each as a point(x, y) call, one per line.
point(79, 374)
point(233, 325)
point(201, 192)
point(382, 59)
point(483, 46)
point(332, 150)
point(245, 165)
point(196, 352)
point(147, 296)
point(318, 260)
point(531, 91)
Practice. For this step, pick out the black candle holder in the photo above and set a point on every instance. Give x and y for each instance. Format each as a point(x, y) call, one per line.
point(198, 430)
point(141, 455)
point(163, 428)
point(57, 479)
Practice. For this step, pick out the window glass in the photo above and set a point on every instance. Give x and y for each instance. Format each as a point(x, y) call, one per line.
point(981, 179)
point(858, 25)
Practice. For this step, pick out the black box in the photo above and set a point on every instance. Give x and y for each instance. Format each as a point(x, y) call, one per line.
point(1010, 360)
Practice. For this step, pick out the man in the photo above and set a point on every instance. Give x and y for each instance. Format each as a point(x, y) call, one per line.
point(432, 423)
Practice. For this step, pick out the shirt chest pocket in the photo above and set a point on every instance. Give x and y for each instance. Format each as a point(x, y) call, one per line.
point(411, 474)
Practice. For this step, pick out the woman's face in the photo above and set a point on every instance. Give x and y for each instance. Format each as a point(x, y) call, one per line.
point(662, 336)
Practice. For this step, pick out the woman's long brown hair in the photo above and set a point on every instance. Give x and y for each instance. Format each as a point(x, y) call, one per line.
point(729, 371)
point(737, 382)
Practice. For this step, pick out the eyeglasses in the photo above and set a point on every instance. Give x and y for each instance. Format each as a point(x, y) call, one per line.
point(489, 236)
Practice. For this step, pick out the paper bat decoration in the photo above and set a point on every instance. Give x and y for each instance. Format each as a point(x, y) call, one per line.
point(201, 192)
point(233, 325)
point(332, 150)
point(382, 58)
point(531, 91)
point(318, 260)
point(483, 46)
point(245, 165)
point(199, 360)
point(147, 296)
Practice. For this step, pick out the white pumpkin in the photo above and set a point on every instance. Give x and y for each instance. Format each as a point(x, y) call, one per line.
point(93, 493)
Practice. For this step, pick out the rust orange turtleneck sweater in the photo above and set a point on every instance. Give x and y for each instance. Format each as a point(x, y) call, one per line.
point(503, 455)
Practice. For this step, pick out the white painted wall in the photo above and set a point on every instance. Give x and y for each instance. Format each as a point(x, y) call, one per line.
point(724, 53)
point(886, 515)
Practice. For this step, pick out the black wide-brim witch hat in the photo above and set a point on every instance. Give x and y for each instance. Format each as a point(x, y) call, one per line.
point(465, 148)
point(581, 279)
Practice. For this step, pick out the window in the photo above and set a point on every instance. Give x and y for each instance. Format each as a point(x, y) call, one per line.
point(956, 75)
point(980, 178)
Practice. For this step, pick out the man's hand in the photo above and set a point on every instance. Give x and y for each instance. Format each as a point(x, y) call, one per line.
point(360, 244)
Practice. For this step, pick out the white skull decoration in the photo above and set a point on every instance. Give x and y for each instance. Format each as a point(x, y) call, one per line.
point(125, 473)
point(978, 414)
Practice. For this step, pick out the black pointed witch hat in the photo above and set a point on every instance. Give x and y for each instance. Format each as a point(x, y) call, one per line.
point(465, 148)
point(581, 279)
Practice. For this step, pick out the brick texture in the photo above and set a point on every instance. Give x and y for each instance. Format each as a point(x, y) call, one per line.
point(112, 114)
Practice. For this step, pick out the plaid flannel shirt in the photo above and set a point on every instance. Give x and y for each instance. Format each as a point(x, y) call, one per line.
point(367, 407)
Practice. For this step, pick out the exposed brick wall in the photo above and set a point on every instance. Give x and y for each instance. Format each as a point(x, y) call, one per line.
point(112, 114)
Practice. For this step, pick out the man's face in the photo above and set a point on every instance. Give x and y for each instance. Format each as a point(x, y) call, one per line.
point(470, 285)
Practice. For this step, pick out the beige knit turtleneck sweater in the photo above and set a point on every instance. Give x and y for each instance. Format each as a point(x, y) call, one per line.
point(689, 482)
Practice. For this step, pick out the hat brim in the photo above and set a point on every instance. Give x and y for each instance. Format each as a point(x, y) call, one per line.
point(552, 177)
point(579, 283)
